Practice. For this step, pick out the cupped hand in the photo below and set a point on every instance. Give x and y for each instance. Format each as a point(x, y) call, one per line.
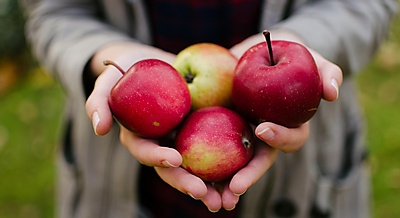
point(125, 54)
point(292, 139)
point(166, 160)
point(221, 195)
point(280, 137)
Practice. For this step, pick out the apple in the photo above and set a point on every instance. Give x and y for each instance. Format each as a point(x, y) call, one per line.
point(277, 82)
point(151, 98)
point(208, 69)
point(215, 142)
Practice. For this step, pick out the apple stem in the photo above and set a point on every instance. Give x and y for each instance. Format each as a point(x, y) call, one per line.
point(246, 142)
point(189, 77)
point(109, 62)
point(267, 36)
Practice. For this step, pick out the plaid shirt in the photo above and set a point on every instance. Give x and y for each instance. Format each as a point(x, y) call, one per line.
point(177, 24)
point(160, 200)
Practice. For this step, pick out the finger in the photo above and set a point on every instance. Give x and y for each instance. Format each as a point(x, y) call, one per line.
point(212, 199)
point(229, 199)
point(97, 104)
point(331, 80)
point(183, 181)
point(331, 76)
point(282, 138)
point(263, 159)
point(148, 152)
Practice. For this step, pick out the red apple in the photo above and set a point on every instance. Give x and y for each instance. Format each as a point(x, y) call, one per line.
point(277, 82)
point(151, 98)
point(215, 142)
point(208, 69)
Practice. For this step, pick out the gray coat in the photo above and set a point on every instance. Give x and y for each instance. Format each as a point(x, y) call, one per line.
point(97, 175)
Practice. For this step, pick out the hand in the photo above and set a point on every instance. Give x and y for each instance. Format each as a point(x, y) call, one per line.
point(149, 152)
point(292, 139)
point(221, 195)
point(125, 54)
point(166, 160)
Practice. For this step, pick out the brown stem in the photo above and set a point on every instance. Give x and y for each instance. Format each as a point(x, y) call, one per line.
point(109, 62)
point(267, 36)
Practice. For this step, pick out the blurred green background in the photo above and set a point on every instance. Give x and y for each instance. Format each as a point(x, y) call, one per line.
point(31, 104)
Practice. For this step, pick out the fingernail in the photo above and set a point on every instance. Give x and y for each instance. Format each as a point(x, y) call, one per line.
point(240, 193)
point(266, 134)
point(213, 211)
point(335, 85)
point(95, 121)
point(168, 164)
point(190, 194)
point(230, 209)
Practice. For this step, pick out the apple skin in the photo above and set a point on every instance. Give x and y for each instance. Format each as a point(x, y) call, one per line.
point(287, 93)
point(215, 142)
point(208, 69)
point(151, 98)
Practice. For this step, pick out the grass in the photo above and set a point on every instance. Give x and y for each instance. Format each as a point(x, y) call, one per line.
point(379, 86)
point(30, 122)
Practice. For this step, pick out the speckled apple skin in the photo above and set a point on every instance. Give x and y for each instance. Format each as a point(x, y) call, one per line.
point(151, 98)
point(211, 66)
point(215, 142)
point(287, 93)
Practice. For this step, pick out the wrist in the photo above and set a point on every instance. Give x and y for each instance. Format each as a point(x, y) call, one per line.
point(276, 34)
point(126, 54)
point(288, 35)
point(114, 51)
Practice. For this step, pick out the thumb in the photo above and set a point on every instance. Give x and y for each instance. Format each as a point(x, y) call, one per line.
point(97, 104)
point(331, 76)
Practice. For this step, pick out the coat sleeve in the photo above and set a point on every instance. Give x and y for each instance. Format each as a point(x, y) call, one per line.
point(64, 35)
point(346, 32)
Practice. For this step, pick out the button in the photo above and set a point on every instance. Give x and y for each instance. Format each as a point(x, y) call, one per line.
point(316, 212)
point(284, 208)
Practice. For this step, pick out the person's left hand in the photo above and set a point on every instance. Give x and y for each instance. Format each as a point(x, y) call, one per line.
point(275, 137)
point(280, 137)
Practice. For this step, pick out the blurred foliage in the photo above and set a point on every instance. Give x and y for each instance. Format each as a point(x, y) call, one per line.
point(15, 60)
point(379, 86)
point(29, 129)
point(30, 108)
point(12, 42)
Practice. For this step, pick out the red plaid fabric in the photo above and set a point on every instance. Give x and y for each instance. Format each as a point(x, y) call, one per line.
point(177, 24)
point(160, 200)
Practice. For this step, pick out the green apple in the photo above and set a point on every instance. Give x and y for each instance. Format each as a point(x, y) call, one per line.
point(208, 69)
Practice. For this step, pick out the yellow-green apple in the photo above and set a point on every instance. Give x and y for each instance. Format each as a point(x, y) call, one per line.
point(151, 98)
point(215, 142)
point(208, 69)
point(278, 82)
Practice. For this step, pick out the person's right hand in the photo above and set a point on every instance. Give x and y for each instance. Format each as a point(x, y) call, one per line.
point(125, 54)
